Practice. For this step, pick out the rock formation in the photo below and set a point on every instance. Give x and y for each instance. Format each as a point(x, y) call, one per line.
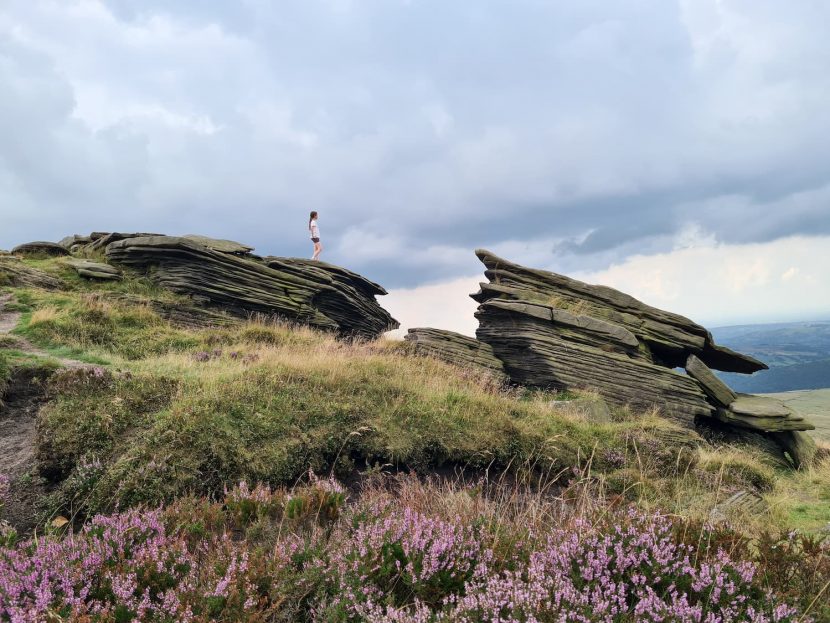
point(225, 276)
point(540, 350)
point(14, 272)
point(220, 273)
point(39, 248)
point(664, 338)
point(548, 330)
point(456, 349)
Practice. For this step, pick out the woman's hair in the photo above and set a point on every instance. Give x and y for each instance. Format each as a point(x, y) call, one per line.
point(311, 217)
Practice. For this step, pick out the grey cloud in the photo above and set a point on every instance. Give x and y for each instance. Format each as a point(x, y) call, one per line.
point(427, 127)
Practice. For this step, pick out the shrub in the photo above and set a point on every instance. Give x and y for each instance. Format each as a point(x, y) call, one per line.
point(386, 560)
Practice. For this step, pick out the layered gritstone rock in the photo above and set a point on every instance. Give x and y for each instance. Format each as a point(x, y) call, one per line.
point(456, 349)
point(539, 351)
point(548, 330)
point(220, 273)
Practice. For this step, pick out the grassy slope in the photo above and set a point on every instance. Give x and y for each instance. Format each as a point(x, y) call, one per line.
point(192, 411)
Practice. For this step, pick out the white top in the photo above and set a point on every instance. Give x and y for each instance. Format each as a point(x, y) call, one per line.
point(315, 231)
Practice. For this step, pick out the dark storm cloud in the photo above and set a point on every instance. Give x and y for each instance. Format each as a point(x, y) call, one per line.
point(571, 133)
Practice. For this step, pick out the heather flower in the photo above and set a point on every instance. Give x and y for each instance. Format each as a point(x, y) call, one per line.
point(328, 485)
point(383, 562)
point(401, 563)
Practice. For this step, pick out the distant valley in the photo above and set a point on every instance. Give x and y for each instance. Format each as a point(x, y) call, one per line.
point(798, 354)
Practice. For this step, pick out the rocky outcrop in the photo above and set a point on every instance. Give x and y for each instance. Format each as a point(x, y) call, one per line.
point(39, 248)
point(551, 331)
point(539, 351)
point(665, 338)
point(94, 270)
point(456, 349)
point(14, 272)
point(320, 295)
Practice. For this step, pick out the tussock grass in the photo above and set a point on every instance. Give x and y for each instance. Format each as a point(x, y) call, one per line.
point(87, 322)
point(269, 412)
point(188, 411)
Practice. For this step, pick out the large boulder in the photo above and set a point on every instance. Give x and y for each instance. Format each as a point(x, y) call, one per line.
point(320, 295)
point(40, 248)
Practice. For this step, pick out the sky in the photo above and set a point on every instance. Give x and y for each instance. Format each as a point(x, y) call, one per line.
point(677, 150)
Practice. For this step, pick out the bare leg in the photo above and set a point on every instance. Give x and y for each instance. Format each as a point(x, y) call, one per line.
point(318, 248)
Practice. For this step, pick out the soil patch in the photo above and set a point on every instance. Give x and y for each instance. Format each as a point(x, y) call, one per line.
point(19, 406)
point(18, 414)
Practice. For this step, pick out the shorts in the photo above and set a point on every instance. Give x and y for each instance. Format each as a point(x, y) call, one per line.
point(315, 240)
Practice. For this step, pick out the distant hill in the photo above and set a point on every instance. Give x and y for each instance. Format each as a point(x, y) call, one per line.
point(798, 354)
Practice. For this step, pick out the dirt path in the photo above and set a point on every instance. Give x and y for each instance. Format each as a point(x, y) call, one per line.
point(19, 406)
point(9, 320)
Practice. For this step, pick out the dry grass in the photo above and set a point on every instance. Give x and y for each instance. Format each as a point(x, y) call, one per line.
point(45, 315)
point(266, 400)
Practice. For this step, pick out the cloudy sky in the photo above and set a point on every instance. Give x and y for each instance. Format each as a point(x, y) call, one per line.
point(678, 150)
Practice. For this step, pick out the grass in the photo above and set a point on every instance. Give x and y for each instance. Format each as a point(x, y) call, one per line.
point(270, 411)
point(802, 499)
point(176, 411)
point(93, 324)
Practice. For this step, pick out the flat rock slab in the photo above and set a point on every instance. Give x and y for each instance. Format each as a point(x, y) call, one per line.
point(101, 240)
point(741, 503)
point(39, 248)
point(218, 244)
point(94, 270)
point(591, 409)
point(759, 406)
point(716, 389)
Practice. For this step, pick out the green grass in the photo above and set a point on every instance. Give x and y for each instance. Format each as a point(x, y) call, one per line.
point(184, 411)
point(78, 323)
point(178, 424)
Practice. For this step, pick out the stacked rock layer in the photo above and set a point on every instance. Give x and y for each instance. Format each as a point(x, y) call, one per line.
point(227, 276)
point(222, 273)
point(548, 330)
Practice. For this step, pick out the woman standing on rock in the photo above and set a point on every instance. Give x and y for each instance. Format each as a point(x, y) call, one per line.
point(315, 235)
